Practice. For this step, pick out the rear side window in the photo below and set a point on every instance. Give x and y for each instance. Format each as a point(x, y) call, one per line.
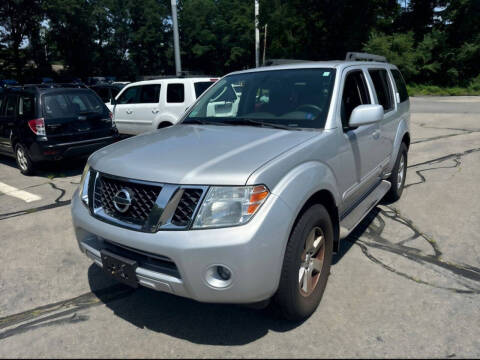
point(150, 94)
point(10, 106)
point(200, 87)
point(67, 105)
point(2, 100)
point(401, 87)
point(26, 106)
point(382, 88)
point(355, 93)
point(175, 93)
point(129, 96)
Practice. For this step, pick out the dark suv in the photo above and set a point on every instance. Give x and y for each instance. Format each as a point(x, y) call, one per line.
point(39, 123)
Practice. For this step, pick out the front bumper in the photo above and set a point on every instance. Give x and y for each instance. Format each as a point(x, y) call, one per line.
point(253, 252)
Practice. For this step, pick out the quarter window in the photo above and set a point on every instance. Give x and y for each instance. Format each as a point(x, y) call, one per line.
point(355, 93)
point(26, 106)
point(401, 87)
point(175, 93)
point(382, 88)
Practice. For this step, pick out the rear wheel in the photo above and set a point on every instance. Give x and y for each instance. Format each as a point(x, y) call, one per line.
point(306, 265)
point(24, 162)
point(399, 173)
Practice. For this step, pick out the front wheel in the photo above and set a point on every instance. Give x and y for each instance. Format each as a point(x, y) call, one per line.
point(24, 162)
point(399, 173)
point(306, 265)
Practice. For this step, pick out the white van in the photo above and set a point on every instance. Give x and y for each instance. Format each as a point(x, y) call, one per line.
point(147, 105)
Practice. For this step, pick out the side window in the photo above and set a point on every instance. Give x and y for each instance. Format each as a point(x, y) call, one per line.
point(355, 93)
point(382, 88)
point(149, 94)
point(2, 101)
point(26, 106)
point(10, 106)
point(129, 96)
point(401, 87)
point(175, 93)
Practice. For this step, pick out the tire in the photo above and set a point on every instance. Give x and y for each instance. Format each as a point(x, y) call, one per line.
point(399, 173)
point(297, 298)
point(24, 162)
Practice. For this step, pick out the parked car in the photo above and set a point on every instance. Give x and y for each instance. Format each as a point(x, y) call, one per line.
point(251, 206)
point(148, 105)
point(41, 123)
point(108, 92)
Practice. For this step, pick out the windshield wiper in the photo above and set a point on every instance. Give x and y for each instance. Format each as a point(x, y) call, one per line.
point(201, 122)
point(252, 122)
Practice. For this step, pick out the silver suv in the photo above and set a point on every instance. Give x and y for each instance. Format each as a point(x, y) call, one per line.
point(247, 198)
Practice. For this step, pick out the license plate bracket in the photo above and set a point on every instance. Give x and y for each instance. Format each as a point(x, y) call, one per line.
point(119, 267)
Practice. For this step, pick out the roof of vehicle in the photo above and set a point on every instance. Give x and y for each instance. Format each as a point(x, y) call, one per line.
point(334, 64)
point(174, 80)
point(33, 88)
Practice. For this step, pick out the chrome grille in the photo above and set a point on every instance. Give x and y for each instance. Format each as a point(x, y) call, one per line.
point(186, 207)
point(144, 197)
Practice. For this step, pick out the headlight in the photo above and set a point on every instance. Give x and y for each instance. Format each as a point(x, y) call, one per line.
point(229, 206)
point(83, 188)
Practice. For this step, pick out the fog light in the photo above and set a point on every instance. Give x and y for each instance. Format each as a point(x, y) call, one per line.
point(218, 276)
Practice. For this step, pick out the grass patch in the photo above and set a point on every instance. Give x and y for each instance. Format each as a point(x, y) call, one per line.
point(422, 90)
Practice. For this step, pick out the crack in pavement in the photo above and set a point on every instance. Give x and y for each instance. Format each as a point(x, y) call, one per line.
point(61, 312)
point(439, 137)
point(57, 203)
point(466, 276)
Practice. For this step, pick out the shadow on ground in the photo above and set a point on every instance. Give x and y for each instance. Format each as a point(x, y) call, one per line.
point(200, 323)
point(53, 169)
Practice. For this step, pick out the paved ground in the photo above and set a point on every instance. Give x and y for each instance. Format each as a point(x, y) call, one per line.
point(407, 283)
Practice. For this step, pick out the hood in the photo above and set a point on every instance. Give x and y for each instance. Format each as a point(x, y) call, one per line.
point(196, 154)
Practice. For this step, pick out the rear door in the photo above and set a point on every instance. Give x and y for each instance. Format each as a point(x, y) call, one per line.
point(8, 109)
point(75, 116)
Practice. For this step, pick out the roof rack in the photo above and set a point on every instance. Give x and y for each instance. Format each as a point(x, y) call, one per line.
point(358, 56)
point(273, 62)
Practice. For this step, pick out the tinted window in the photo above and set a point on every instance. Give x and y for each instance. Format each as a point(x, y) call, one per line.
point(355, 93)
point(67, 105)
point(1, 103)
point(297, 98)
point(10, 106)
point(150, 94)
point(382, 88)
point(200, 87)
point(401, 87)
point(104, 93)
point(175, 93)
point(129, 96)
point(26, 106)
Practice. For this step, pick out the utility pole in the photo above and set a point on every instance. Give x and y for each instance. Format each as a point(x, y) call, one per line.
point(176, 41)
point(264, 44)
point(257, 36)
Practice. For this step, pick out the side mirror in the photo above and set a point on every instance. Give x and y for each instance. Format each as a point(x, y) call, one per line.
point(366, 114)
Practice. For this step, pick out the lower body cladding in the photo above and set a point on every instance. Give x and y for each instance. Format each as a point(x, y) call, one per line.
point(227, 265)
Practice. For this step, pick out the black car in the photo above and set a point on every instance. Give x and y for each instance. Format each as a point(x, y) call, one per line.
point(107, 92)
point(39, 123)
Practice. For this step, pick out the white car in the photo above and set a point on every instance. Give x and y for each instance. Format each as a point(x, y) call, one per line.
point(148, 105)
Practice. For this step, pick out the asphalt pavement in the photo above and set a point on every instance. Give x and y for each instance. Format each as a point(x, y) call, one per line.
point(405, 284)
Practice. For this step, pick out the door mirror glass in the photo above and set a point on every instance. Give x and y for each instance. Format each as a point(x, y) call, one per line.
point(365, 114)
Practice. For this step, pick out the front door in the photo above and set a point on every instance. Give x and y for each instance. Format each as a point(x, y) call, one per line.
point(123, 110)
point(363, 142)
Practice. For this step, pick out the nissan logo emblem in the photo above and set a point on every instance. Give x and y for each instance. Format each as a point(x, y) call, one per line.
point(122, 200)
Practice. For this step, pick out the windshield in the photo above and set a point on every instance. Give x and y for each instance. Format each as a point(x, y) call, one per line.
point(297, 98)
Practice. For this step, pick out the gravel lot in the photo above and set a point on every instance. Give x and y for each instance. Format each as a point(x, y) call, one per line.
point(406, 283)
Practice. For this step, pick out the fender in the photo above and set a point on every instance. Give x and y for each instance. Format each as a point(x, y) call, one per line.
point(164, 117)
point(402, 129)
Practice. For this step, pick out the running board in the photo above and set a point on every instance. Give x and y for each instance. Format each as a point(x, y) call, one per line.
point(353, 218)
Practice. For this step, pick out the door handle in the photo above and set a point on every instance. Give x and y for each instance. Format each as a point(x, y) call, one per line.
point(155, 111)
point(376, 134)
point(129, 111)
